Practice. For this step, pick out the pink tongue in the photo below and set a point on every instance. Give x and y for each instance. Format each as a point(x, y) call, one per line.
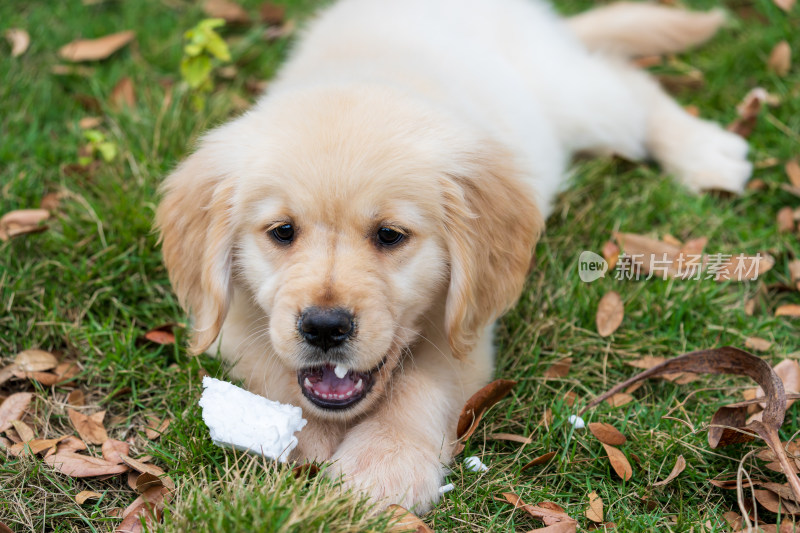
point(330, 384)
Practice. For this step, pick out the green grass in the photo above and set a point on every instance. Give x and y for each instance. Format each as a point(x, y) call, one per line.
point(93, 283)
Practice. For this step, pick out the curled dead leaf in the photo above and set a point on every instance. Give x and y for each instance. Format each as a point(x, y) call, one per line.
point(142, 466)
point(610, 312)
point(23, 430)
point(90, 428)
point(790, 310)
point(680, 466)
point(22, 222)
point(19, 40)
point(757, 343)
point(785, 220)
point(147, 506)
point(619, 462)
point(146, 481)
point(405, 520)
point(85, 495)
point(476, 406)
point(542, 459)
point(227, 10)
point(95, 49)
point(13, 408)
point(619, 399)
point(510, 436)
point(780, 59)
point(548, 512)
point(595, 510)
point(308, 470)
point(156, 427)
point(123, 94)
point(78, 465)
point(774, 503)
point(607, 434)
point(559, 369)
point(35, 360)
point(76, 398)
point(748, 109)
point(272, 13)
point(792, 169)
point(113, 449)
point(611, 254)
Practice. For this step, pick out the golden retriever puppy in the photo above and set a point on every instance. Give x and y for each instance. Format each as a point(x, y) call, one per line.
point(347, 244)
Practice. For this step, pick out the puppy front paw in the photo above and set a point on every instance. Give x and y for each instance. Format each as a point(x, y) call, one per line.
point(390, 472)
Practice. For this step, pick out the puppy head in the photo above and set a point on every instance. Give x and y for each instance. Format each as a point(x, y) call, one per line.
point(356, 220)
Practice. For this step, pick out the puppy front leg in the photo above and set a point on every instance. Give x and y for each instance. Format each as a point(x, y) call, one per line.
point(397, 455)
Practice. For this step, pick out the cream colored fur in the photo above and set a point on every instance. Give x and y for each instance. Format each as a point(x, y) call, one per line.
point(453, 119)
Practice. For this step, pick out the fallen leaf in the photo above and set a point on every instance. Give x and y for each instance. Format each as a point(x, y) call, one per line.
point(113, 449)
point(559, 369)
point(757, 343)
point(146, 481)
point(792, 169)
point(274, 33)
point(675, 83)
point(156, 428)
point(148, 505)
point(76, 398)
point(786, 5)
point(619, 462)
point(785, 220)
point(611, 254)
point(88, 123)
point(510, 436)
point(784, 491)
point(733, 519)
point(405, 520)
point(595, 510)
point(542, 459)
point(162, 334)
point(272, 13)
point(95, 49)
point(227, 10)
point(780, 59)
point(730, 360)
point(90, 428)
point(23, 430)
point(71, 444)
point(748, 109)
point(790, 310)
point(774, 503)
point(84, 495)
point(78, 465)
point(13, 408)
point(731, 484)
point(549, 513)
point(570, 397)
point(789, 372)
point(607, 434)
point(142, 466)
point(35, 360)
point(19, 40)
point(22, 222)
point(619, 399)
point(123, 94)
point(38, 446)
point(307, 470)
point(756, 185)
point(680, 466)
point(8, 372)
point(610, 312)
point(476, 406)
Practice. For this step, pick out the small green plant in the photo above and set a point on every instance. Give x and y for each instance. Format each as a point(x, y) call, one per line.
point(203, 46)
point(97, 145)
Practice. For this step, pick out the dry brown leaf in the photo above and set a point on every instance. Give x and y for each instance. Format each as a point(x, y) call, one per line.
point(23, 430)
point(610, 312)
point(156, 428)
point(733, 519)
point(35, 360)
point(76, 398)
point(19, 40)
point(785, 220)
point(90, 428)
point(774, 503)
point(405, 520)
point(607, 434)
point(22, 222)
point(88, 123)
point(148, 505)
point(478, 403)
point(780, 59)
point(272, 13)
point(680, 466)
point(142, 466)
point(559, 369)
point(558, 527)
point(84, 495)
point(510, 436)
point(748, 109)
point(730, 484)
point(789, 372)
point(146, 481)
point(790, 310)
point(729, 360)
point(794, 273)
point(8, 372)
point(13, 408)
point(595, 510)
point(79, 465)
point(757, 343)
point(162, 334)
point(570, 397)
point(71, 444)
point(786, 5)
point(95, 49)
point(756, 185)
point(123, 94)
point(784, 491)
point(619, 399)
point(542, 459)
point(549, 513)
point(307, 470)
point(792, 169)
point(619, 462)
point(227, 10)
point(611, 254)
point(113, 449)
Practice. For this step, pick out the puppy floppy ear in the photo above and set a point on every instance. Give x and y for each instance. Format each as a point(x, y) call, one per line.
point(197, 243)
point(492, 225)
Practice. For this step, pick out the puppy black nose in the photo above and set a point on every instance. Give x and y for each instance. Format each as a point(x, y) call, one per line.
point(324, 327)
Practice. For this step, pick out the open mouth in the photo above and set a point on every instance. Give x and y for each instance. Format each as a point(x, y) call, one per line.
point(334, 387)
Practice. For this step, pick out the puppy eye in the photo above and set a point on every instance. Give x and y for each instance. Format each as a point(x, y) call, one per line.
point(389, 236)
point(284, 234)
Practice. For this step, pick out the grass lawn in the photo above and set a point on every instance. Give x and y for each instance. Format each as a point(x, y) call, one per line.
point(89, 287)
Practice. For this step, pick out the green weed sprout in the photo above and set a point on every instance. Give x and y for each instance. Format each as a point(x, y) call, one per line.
point(203, 45)
point(98, 145)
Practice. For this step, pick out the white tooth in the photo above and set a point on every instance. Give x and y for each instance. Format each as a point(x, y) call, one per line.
point(349, 393)
point(340, 396)
point(359, 384)
point(340, 371)
point(307, 384)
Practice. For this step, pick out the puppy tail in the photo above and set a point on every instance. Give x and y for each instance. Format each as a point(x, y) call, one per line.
point(631, 29)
